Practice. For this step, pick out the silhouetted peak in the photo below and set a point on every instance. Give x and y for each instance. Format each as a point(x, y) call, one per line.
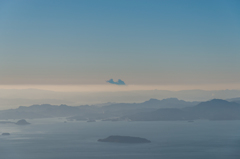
point(42, 105)
point(63, 105)
point(152, 100)
point(171, 99)
point(218, 101)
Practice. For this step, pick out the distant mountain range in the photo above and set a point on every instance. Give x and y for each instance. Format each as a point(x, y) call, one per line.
point(215, 109)
point(13, 98)
point(85, 112)
point(151, 110)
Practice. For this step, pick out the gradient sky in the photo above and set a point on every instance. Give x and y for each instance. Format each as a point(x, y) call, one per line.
point(142, 42)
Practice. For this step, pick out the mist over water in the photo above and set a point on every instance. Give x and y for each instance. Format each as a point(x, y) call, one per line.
point(48, 138)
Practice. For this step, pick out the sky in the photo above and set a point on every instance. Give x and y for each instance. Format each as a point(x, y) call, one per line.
point(149, 44)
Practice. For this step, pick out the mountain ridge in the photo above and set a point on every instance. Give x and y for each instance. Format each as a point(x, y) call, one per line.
point(216, 109)
point(96, 112)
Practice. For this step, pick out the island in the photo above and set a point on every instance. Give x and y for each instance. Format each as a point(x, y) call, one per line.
point(22, 122)
point(124, 139)
point(5, 134)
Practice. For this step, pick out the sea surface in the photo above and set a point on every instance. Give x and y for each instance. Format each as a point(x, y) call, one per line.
point(54, 139)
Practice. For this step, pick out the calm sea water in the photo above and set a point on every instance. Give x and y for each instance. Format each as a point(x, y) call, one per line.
point(53, 139)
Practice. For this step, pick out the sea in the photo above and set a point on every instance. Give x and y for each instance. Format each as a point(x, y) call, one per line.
point(56, 139)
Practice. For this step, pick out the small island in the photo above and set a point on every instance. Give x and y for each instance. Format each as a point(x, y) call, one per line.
point(22, 122)
point(5, 134)
point(124, 139)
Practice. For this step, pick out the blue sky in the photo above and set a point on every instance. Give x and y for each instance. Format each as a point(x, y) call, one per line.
point(142, 42)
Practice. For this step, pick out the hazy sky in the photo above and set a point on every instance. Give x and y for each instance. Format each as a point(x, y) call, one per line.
point(142, 42)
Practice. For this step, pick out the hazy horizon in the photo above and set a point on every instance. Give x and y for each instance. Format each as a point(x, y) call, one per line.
point(116, 88)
